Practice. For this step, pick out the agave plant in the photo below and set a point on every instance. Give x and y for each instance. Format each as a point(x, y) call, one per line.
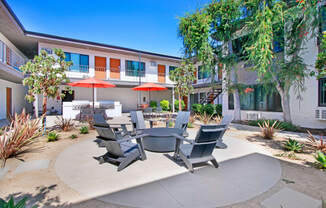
point(64, 123)
point(268, 129)
point(11, 203)
point(83, 130)
point(318, 144)
point(321, 159)
point(218, 119)
point(204, 118)
point(293, 145)
point(53, 136)
point(18, 135)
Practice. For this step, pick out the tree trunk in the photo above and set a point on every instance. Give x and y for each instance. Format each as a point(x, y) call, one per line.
point(44, 104)
point(237, 111)
point(180, 106)
point(236, 94)
point(285, 101)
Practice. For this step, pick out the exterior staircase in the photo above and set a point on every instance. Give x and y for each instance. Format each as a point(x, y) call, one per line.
point(211, 96)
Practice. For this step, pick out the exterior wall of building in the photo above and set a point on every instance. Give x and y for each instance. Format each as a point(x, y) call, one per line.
point(10, 60)
point(302, 111)
point(18, 98)
point(125, 95)
point(151, 71)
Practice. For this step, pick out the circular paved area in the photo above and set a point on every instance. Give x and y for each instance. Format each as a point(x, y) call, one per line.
point(245, 172)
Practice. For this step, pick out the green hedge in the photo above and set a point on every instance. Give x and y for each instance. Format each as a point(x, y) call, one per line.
point(176, 105)
point(208, 109)
point(165, 105)
point(286, 126)
point(153, 104)
point(196, 108)
point(218, 109)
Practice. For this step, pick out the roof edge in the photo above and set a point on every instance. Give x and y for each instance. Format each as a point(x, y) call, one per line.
point(44, 35)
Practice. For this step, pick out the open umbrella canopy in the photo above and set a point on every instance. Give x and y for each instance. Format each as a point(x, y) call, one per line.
point(149, 87)
point(91, 83)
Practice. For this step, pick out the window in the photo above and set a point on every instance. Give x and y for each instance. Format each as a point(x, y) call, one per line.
point(171, 68)
point(322, 92)
point(2, 51)
point(259, 99)
point(323, 18)
point(203, 73)
point(135, 69)
point(80, 62)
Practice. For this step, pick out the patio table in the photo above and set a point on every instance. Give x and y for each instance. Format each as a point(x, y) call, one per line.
point(160, 139)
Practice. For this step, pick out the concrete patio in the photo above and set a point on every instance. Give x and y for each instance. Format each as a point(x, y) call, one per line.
point(65, 174)
point(245, 171)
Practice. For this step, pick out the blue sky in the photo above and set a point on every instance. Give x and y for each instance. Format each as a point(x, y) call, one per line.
point(149, 25)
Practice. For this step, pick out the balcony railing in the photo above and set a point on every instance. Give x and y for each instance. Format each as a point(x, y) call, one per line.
point(79, 68)
point(10, 57)
point(135, 73)
point(100, 69)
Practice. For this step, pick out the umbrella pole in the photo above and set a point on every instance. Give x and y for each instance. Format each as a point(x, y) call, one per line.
point(93, 101)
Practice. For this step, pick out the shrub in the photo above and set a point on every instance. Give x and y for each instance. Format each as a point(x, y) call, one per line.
point(53, 136)
point(19, 135)
point(165, 105)
point(153, 104)
point(204, 118)
point(318, 145)
point(293, 145)
point(268, 129)
point(196, 108)
point(11, 203)
point(64, 123)
point(83, 130)
point(176, 105)
point(90, 121)
point(321, 159)
point(218, 119)
point(208, 109)
point(218, 109)
point(282, 125)
point(191, 121)
point(73, 136)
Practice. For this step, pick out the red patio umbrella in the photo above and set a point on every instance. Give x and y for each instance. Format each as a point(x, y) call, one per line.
point(91, 83)
point(149, 87)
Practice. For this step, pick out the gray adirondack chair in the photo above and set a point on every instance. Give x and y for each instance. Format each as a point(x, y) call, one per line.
point(181, 122)
point(199, 150)
point(120, 151)
point(105, 132)
point(226, 120)
point(137, 120)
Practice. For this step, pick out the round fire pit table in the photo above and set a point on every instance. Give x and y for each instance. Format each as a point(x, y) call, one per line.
point(160, 139)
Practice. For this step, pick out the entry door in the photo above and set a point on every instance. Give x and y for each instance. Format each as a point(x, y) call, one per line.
point(8, 102)
point(100, 67)
point(115, 68)
point(161, 73)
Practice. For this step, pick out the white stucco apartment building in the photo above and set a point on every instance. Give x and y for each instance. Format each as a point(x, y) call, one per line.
point(310, 111)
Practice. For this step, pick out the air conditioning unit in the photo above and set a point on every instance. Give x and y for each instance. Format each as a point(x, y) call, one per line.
point(153, 63)
point(253, 116)
point(320, 114)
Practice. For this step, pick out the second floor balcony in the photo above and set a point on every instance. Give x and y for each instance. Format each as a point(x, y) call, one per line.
point(10, 57)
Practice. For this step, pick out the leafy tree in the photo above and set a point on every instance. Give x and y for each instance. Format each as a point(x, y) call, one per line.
point(321, 59)
point(207, 35)
point(287, 24)
point(184, 77)
point(44, 75)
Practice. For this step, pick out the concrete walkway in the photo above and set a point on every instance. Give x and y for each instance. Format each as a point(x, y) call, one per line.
point(245, 171)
